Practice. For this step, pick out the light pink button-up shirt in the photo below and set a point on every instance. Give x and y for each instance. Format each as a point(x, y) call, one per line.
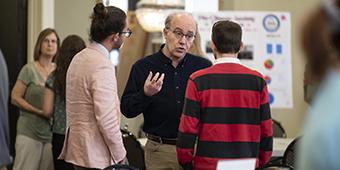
point(93, 138)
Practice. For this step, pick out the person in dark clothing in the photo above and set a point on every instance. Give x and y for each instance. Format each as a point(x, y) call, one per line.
point(226, 108)
point(156, 88)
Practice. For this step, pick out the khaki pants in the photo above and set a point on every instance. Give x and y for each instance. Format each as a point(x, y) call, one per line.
point(160, 156)
point(3, 168)
point(32, 154)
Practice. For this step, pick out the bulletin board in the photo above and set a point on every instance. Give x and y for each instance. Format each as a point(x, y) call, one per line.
point(267, 47)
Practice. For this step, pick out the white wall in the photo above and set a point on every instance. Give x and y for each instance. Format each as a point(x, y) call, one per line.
point(47, 13)
point(73, 17)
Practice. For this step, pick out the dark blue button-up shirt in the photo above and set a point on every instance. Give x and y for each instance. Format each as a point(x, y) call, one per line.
point(163, 110)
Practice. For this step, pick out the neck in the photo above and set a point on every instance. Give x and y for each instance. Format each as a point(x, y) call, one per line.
point(229, 55)
point(175, 60)
point(45, 61)
point(108, 46)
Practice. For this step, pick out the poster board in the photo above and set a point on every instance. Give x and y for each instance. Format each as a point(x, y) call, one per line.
point(267, 47)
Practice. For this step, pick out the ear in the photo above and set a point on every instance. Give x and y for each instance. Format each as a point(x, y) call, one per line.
point(213, 47)
point(165, 33)
point(241, 47)
point(115, 37)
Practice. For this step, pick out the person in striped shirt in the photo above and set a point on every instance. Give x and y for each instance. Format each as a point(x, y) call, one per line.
point(226, 108)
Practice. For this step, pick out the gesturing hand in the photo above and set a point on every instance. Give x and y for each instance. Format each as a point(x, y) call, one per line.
point(153, 84)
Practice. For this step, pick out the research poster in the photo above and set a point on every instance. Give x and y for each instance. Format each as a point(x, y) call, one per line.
point(267, 47)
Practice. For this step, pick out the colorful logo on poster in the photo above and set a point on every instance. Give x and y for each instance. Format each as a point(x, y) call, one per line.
point(271, 98)
point(267, 79)
point(270, 48)
point(271, 23)
point(269, 64)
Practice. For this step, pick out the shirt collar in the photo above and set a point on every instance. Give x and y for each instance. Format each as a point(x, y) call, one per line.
point(103, 49)
point(227, 60)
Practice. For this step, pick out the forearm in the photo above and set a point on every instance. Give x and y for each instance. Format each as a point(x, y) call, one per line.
point(24, 105)
point(134, 104)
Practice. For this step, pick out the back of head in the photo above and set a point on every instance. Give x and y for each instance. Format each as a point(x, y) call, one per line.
point(332, 10)
point(106, 21)
point(321, 38)
point(71, 45)
point(227, 36)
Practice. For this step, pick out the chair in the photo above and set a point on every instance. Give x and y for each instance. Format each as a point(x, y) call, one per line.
point(276, 167)
point(288, 160)
point(290, 155)
point(135, 152)
point(278, 130)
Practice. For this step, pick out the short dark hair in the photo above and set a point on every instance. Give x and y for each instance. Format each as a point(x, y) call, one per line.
point(43, 34)
point(227, 36)
point(106, 21)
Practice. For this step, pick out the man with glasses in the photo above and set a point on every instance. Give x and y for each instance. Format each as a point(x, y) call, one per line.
point(156, 88)
point(226, 108)
point(93, 139)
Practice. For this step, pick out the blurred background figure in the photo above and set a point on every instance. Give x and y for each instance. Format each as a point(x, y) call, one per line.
point(33, 141)
point(5, 158)
point(310, 84)
point(54, 96)
point(319, 147)
point(196, 48)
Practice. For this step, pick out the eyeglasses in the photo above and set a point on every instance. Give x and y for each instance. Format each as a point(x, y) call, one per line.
point(179, 34)
point(127, 33)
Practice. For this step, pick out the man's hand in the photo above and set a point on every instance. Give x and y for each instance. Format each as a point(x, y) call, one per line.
point(153, 84)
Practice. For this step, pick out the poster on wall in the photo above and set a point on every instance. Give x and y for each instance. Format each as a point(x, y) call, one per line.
point(267, 47)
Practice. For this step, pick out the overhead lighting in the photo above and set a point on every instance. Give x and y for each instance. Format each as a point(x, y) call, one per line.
point(151, 14)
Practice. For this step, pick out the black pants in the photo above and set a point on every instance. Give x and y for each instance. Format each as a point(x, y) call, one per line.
point(57, 146)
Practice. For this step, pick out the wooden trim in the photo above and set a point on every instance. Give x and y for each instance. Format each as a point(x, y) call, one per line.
point(34, 26)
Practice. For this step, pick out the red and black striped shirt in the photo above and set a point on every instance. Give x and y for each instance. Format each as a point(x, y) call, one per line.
point(226, 107)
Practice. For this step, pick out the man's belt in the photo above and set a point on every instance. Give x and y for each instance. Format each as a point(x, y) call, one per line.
point(169, 141)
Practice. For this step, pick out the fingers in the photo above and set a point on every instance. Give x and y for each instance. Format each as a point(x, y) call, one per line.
point(153, 84)
point(160, 80)
point(162, 77)
point(149, 76)
point(155, 78)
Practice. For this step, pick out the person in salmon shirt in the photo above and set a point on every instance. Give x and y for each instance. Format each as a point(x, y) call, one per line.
point(93, 139)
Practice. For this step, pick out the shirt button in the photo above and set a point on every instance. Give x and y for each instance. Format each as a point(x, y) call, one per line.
point(178, 102)
point(176, 73)
point(177, 87)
